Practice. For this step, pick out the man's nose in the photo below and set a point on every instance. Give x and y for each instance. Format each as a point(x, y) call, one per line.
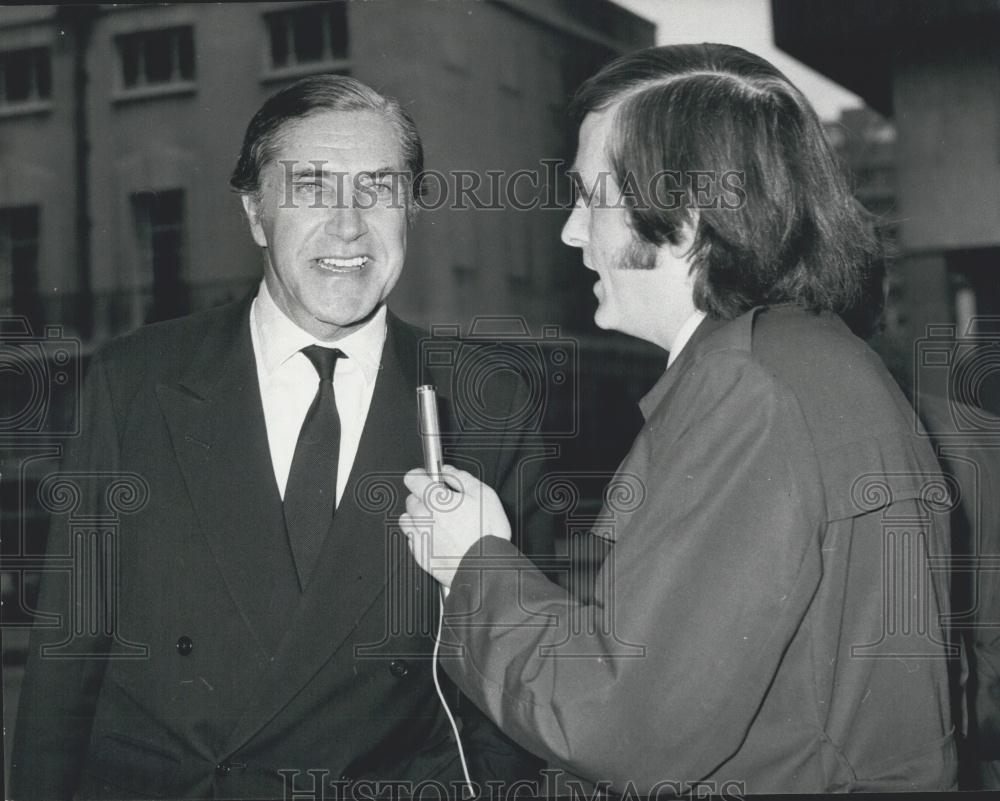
point(574, 232)
point(346, 221)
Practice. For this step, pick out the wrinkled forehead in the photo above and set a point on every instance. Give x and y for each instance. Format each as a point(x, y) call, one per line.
point(342, 141)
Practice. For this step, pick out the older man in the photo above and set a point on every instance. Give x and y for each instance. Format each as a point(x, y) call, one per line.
point(271, 637)
point(775, 585)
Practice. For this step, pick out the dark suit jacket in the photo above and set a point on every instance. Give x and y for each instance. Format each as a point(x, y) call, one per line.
point(219, 678)
point(768, 614)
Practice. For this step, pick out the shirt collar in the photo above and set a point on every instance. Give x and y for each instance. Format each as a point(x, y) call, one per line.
point(280, 338)
point(684, 334)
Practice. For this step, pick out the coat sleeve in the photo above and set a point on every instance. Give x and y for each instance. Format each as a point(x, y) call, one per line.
point(660, 677)
point(58, 696)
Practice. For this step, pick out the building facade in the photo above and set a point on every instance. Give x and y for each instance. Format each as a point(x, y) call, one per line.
point(932, 68)
point(119, 126)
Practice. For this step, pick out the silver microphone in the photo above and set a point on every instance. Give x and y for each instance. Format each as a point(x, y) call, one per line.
point(430, 430)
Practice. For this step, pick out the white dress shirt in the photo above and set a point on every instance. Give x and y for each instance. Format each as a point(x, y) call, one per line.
point(684, 334)
point(288, 382)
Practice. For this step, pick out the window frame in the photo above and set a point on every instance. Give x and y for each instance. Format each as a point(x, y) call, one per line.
point(9, 244)
point(35, 104)
point(328, 62)
point(145, 229)
point(175, 85)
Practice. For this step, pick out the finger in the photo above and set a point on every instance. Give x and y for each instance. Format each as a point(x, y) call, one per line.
point(415, 507)
point(412, 531)
point(451, 483)
point(420, 547)
point(417, 480)
point(420, 472)
point(467, 482)
point(408, 527)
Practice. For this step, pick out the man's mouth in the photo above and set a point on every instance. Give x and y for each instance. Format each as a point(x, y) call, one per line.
point(335, 265)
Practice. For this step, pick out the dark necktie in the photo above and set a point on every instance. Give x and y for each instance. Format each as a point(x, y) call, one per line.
point(311, 491)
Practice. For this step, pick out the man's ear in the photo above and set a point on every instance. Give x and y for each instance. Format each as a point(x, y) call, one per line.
point(253, 211)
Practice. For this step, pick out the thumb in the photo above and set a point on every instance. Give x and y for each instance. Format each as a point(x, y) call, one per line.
point(462, 481)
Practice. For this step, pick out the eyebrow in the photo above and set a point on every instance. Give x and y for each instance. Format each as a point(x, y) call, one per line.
point(382, 172)
point(310, 171)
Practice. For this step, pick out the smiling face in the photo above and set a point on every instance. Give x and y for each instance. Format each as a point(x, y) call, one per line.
point(332, 219)
point(642, 289)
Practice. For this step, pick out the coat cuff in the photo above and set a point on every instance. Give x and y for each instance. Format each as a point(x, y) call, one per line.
point(491, 558)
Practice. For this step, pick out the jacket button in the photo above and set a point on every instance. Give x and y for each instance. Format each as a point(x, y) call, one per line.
point(184, 645)
point(223, 769)
point(399, 668)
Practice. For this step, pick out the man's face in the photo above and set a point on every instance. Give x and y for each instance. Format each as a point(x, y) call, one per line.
point(642, 290)
point(332, 218)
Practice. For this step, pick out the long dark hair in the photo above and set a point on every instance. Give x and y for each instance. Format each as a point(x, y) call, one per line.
point(795, 234)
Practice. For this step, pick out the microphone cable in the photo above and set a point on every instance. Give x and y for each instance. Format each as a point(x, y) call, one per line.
point(437, 685)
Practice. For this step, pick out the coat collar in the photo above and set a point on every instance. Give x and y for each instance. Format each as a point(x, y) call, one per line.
point(216, 423)
point(712, 334)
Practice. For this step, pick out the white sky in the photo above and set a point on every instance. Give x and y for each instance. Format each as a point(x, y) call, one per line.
point(747, 24)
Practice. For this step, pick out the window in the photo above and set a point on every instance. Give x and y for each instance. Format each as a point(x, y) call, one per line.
point(159, 228)
point(306, 36)
point(25, 76)
point(19, 235)
point(157, 58)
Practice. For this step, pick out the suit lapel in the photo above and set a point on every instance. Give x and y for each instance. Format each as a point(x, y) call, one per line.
point(358, 557)
point(216, 422)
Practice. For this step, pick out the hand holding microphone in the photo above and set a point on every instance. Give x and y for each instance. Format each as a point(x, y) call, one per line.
point(448, 510)
point(442, 523)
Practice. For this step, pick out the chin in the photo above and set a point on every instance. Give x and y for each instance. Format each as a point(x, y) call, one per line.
point(601, 320)
point(347, 318)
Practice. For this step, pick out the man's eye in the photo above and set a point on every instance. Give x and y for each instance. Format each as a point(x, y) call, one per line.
point(380, 187)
